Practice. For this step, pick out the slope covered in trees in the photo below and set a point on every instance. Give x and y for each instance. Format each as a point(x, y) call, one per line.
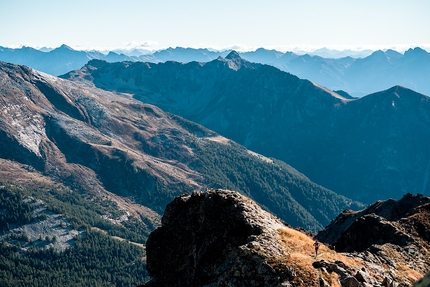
point(100, 254)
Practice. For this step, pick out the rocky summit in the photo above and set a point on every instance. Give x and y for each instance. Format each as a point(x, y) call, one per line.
point(222, 238)
point(215, 238)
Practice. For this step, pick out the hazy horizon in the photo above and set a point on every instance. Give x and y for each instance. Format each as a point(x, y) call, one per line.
point(283, 25)
point(297, 50)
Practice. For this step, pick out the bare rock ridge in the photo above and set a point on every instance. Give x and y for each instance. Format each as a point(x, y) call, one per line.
point(392, 232)
point(222, 238)
point(401, 222)
point(233, 55)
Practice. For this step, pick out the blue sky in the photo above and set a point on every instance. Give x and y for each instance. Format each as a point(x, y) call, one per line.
point(243, 25)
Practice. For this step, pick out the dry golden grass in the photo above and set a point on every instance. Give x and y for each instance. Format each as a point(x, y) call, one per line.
point(19, 173)
point(406, 272)
point(300, 248)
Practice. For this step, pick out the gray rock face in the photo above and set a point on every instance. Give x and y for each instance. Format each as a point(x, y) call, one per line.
point(371, 229)
point(350, 282)
point(217, 238)
point(362, 276)
point(393, 233)
point(391, 221)
point(347, 276)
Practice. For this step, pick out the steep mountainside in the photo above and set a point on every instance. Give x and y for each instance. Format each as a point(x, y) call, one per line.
point(224, 239)
point(370, 148)
point(53, 236)
point(104, 143)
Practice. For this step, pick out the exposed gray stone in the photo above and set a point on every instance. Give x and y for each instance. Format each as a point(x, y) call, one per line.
point(332, 267)
point(222, 238)
point(386, 282)
point(219, 237)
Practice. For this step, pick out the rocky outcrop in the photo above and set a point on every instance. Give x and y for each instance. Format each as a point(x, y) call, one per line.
point(394, 233)
point(399, 222)
point(222, 238)
point(216, 238)
point(371, 229)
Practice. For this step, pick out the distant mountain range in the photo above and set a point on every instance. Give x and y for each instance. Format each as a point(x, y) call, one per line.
point(358, 76)
point(371, 148)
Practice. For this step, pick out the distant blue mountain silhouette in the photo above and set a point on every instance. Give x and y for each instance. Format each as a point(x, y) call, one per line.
point(356, 76)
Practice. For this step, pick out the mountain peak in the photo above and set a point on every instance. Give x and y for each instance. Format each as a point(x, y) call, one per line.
point(417, 51)
point(378, 53)
point(392, 53)
point(235, 61)
point(401, 90)
point(112, 53)
point(65, 47)
point(233, 55)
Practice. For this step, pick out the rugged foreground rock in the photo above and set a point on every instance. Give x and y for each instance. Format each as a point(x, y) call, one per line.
point(222, 238)
point(214, 238)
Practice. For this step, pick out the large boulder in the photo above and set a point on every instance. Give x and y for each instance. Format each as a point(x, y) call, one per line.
point(215, 238)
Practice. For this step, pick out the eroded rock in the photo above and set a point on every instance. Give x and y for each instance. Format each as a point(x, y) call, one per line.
point(216, 238)
point(222, 238)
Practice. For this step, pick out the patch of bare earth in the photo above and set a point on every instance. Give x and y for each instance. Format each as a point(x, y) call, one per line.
point(261, 157)
point(219, 139)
